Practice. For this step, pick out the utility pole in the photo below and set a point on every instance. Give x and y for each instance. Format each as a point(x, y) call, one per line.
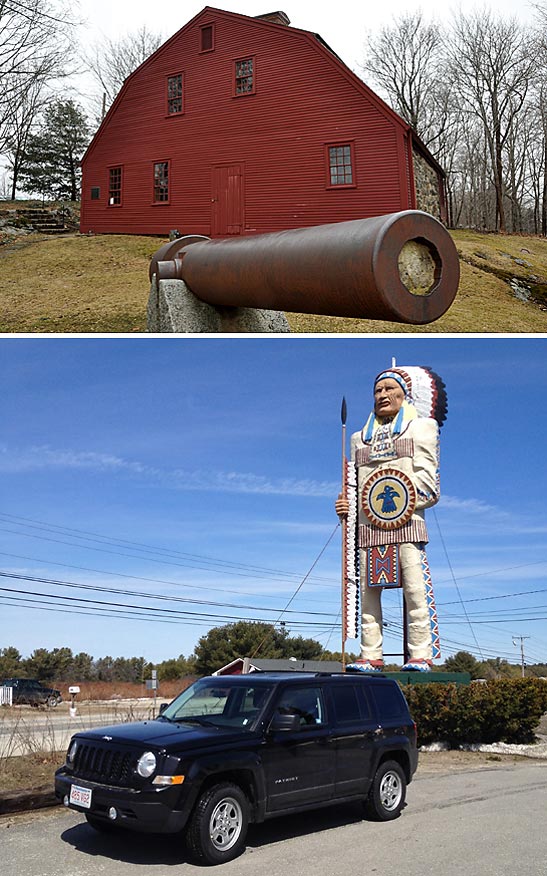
point(516, 639)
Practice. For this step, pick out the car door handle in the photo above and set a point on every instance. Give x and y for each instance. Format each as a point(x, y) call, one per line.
point(378, 731)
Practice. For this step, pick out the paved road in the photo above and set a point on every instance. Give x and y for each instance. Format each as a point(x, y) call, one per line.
point(486, 822)
point(24, 729)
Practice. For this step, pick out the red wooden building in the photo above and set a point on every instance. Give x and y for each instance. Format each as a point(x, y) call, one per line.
point(239, 125)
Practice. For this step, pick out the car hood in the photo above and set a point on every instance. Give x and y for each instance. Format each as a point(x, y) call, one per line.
point(163, 734)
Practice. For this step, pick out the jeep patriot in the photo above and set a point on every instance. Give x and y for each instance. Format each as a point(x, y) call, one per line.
point(236, 749)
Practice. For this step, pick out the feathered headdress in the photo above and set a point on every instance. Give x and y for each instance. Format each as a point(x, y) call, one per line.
point(425, 396)
point(424, 389)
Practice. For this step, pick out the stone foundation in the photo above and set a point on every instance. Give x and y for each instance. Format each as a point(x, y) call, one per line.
point(172, 307)
point(427, 186)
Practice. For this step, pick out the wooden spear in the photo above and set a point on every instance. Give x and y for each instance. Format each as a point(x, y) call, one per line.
point(344, 525)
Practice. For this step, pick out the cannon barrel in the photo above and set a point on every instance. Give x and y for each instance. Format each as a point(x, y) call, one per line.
point(402, 267)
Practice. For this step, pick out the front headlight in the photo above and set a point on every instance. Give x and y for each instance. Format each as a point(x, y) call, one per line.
point(146, 764)
point(71, 753)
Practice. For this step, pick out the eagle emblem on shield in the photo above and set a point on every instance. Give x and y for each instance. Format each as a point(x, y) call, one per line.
point(388, 498)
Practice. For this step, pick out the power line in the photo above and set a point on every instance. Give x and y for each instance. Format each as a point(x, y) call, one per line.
point(215, 561)
point(36, 605)
point(286, 609)
point(144, 612)
point(498, 620)
point(132, 556)
point(142, 595)
point(142, 546)
point(134, 577)
point(454, 579)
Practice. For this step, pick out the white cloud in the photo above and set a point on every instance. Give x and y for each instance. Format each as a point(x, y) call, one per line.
point(246, 482)
point(471, 505)
point(44, 458)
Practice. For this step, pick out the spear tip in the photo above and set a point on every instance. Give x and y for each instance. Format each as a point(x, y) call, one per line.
point(344, 411)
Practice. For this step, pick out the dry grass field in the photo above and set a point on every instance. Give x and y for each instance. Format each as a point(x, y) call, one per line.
point(99, 284)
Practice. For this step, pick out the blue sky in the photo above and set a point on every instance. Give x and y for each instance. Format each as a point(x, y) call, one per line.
point(204, 470)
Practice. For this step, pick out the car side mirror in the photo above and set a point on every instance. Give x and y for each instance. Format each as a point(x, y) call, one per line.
point(163, 707)
point(284, 723)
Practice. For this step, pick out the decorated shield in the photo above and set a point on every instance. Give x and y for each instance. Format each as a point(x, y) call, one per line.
point(388, 498)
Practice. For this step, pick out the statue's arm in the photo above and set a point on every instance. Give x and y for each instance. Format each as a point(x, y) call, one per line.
point(426, 462)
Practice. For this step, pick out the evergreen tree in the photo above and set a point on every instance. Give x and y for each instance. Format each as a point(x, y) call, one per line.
point(221, 645)
point(47, 665)
point(10, 662)
point(82, 667)
point(51, 163)
point(463, 661)
point(175, 668)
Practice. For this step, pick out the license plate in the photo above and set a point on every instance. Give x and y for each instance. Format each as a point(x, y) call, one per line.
point(80, 796)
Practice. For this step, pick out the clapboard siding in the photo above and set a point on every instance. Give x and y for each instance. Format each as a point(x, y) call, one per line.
point(305, 98)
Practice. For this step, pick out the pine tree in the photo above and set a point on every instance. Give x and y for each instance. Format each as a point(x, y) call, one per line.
point(51, 165)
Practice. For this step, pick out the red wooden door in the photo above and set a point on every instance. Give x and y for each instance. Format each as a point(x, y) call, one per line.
point(227, 200)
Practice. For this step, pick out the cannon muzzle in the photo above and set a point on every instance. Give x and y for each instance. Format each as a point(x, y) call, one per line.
point(401, 267)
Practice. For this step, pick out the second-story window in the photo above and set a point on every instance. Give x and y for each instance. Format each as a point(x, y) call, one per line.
point(174, 95)
point(207, 38)
point(161, 182)
point(244, 77)
point(115, 186)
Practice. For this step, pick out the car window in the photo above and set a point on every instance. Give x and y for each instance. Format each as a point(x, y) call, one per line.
point(235, 705)
point(307, 702)
point(389, 700)
point(349, 706)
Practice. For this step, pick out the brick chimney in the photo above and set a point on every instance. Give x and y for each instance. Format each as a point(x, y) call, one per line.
point(275, 18)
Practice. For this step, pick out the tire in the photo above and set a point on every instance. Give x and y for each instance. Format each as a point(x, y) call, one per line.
point(101, 826)
point(387, 795)
point(218, 826)
point(51, 702)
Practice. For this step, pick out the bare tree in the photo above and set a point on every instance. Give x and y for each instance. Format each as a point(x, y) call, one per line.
point(535, 177)
point(23, 106)
point(35, 48)
point(492, 63)
point(407, 65)
point(112, 61)
point(405, 62)
point(541, 106)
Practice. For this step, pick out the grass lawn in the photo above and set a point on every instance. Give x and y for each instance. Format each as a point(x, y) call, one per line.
point(99, 284)
point(76, 283)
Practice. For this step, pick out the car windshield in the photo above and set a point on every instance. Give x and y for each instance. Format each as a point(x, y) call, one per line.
point(219, 703)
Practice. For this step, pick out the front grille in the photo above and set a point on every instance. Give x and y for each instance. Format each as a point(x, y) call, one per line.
point(103, 764)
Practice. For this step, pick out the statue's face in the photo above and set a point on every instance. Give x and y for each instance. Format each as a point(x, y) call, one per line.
point(388, 397)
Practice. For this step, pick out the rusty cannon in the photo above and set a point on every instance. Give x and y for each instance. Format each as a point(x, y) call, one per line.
point(401, 267)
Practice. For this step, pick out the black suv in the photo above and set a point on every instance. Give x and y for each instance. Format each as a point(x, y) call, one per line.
point(29, 691)
point(238, 749)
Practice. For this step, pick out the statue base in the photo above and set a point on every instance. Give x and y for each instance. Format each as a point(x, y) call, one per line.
point(172, 307)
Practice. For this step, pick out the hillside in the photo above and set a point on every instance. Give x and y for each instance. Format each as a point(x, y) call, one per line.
point(79, 283)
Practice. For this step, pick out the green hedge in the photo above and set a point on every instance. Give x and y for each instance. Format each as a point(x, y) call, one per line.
point(506, 710)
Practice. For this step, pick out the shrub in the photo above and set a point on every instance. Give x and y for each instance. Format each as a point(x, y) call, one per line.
point(506, 710)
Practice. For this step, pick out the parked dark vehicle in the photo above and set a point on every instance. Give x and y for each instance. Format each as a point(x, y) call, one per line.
point(238, 749)
point(29, 691)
